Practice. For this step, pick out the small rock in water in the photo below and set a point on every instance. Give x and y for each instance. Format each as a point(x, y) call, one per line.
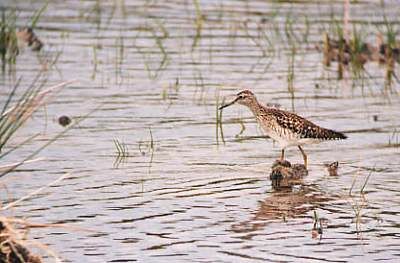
point(332, 168)
point(64, 120)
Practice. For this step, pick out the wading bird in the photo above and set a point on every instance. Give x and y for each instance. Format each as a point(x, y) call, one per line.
point(287, 128)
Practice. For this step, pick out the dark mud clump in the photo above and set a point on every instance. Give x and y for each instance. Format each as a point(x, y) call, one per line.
point(285, 175)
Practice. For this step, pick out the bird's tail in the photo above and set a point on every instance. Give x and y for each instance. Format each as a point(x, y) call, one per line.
point(332, 135)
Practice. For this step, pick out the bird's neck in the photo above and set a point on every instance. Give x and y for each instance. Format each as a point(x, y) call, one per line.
point(255, 107)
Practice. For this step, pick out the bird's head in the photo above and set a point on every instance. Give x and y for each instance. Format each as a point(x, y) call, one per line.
point(245, 97)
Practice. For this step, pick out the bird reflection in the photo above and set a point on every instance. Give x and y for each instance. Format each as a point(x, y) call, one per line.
point(284, 204)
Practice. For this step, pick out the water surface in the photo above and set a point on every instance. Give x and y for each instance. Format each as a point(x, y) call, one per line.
point(192, 197)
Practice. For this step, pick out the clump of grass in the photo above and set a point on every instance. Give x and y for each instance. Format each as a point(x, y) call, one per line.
point(14, 243)
point(335, 49)
point(341, 48)
point(390, 50)
point(358, 51)
point(394, 139)
point(14, 113)
point(354, 52)
point(13, 117)
point(8, 39)
point(170, 91)
point(11, 245)
point(122, 152)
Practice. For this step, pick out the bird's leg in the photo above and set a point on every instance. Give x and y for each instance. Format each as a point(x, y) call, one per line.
point(304, 156)
point(283, 154)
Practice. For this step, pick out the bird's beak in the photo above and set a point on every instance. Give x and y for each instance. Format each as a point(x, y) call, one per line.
point(228, 104)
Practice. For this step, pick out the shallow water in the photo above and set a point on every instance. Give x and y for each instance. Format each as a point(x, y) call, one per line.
point(194, 198)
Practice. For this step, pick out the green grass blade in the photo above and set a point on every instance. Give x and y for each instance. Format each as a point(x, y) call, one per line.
point(38, 14)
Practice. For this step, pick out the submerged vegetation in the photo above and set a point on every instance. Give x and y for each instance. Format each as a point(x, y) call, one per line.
point(122, 153)
point(122, 148)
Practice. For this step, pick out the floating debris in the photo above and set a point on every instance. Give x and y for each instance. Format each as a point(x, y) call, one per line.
point(333, 168)
point(64, 120)
point(284, 174)
point(27, 36)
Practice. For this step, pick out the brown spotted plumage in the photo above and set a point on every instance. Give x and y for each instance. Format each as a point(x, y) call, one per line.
point(302, 127)
point(287, 128)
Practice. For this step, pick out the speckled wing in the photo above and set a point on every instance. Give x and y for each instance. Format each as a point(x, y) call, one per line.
point(302, 127)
